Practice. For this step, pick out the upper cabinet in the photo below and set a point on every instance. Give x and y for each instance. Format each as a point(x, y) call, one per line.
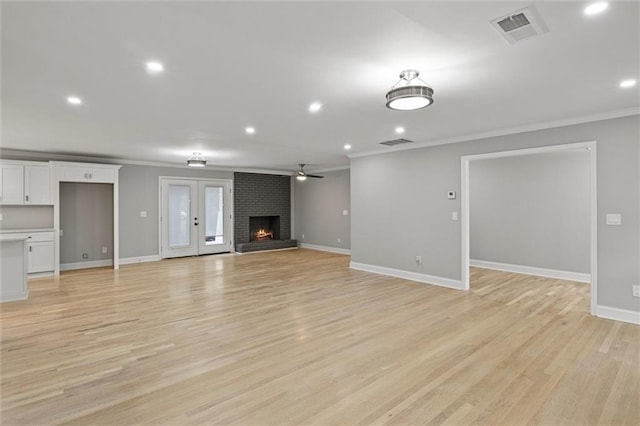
point(83, 172)
point(25, 183)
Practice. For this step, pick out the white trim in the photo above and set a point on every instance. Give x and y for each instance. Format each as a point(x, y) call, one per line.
point(532, 270)
point(325, 248)
point(48, 156)
point(464, 198)
point(85, 265)
point(407, 275)
point(36, 275)
point(503, 132)
point(139, 259)
point(15, 297)
point(617, 314)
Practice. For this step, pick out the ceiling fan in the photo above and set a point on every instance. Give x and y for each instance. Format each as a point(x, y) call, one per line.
point(302, 175)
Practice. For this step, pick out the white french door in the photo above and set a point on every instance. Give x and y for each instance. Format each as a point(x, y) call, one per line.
point(195, 217)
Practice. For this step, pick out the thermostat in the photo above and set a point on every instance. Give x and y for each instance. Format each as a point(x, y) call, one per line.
point(451, 195)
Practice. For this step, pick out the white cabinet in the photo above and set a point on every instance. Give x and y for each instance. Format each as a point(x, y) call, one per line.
point(40, 256)
point(11, 184)
point(25, 183)
point(40, 249)
point(87, 174)
point(37, 185)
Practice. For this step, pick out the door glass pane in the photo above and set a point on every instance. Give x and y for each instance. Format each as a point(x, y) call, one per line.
point(214, 215)
point(179, 216)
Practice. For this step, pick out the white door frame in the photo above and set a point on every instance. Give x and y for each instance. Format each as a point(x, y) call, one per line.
point(464, 199)
point(195, 179)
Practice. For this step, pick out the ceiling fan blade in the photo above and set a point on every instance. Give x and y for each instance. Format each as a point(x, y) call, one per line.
point(315, 176)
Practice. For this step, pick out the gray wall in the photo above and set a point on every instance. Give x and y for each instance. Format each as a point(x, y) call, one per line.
point(26, 217)
point(86, 219)
point(138, 187)
point(400, 209)
point(318, 210)
point(532, 210)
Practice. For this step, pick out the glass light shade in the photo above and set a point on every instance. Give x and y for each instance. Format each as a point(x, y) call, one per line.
point(196, 160)
point(301, 177)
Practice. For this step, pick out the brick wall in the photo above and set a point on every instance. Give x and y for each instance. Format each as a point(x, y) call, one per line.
point(256, 194)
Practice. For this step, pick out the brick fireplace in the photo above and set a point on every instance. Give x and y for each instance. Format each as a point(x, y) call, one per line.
point(262, 212)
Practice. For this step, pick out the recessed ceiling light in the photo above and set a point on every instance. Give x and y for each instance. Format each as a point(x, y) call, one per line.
point(399, 130)
point(347, 147)
point(250, 130)
point(74, 100)
point(625, 84)
point(595, 8)
point(154, 67)
point(315, 107)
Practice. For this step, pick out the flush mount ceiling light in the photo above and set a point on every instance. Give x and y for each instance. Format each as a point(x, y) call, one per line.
point(315, 107)
point(196, 160)
point(250, 130)
point(406, 95)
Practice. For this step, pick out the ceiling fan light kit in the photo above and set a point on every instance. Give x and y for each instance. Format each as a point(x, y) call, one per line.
point(302, 175)
point(409, 96)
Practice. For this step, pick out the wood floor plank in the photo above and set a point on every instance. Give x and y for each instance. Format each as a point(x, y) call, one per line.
point(296, 337)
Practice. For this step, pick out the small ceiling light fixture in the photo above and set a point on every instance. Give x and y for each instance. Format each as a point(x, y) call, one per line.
point(196, 160)
point(250, 130)
point(399, 130)
point(405, 95)
point(625, 84)
point(347, 147)
point(315, 107)
point(154, 67)
point(74, 100)
point(595, 8)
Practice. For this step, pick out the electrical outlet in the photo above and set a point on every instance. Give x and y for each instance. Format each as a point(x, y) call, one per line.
point(636, 291)
point(61, 233)
point(85, 256)
point(104, 250)
point(419, 259)
point(338, 239)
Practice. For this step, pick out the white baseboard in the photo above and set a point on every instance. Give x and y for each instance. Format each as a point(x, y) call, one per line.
point(532, 270)
point(139, 259)
point(617, 314)
point(325, 248)
point(413, 276)
point(14, 297)
point(33, 275)
point(84, 265)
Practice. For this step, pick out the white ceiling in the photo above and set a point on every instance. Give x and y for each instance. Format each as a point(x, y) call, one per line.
point(230, 65)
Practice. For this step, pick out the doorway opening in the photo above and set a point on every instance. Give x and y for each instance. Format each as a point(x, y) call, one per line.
point(589, 147)
point(195, 217)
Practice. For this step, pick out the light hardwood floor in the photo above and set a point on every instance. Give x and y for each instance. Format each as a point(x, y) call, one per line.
point(296, 337)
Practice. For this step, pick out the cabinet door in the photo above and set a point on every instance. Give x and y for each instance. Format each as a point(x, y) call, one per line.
point(11, 184)
point(37, 185)
point(40, 256)
point(74, 174)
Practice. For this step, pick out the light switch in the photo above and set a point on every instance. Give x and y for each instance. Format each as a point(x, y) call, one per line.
point(345, 212)
point(143, 213)
point(454, 216)
point(614, 219)
point(61, 233)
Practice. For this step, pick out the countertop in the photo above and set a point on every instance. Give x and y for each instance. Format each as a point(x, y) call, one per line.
point(22, 231)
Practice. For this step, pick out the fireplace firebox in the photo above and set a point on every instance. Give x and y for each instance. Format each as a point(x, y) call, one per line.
point(264, 228)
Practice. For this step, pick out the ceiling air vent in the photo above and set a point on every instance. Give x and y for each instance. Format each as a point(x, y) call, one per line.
point(520, 25)
point(395, 142)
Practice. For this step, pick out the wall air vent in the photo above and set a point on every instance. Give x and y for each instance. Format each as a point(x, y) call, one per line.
point(395, 142)
point(520, 25)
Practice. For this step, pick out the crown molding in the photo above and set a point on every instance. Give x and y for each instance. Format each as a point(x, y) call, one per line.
point(508, 131)
point(16, 154)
